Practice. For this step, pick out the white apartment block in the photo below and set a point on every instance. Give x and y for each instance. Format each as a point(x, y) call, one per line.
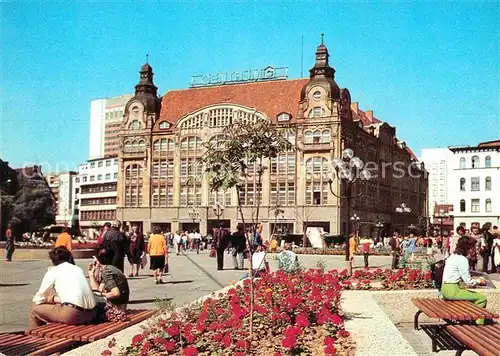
point(103, 113)
point(436, 162)
point(62, 187)
point(474, 184)
point(97, 193)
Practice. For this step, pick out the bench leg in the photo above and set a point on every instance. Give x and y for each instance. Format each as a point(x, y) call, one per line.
point(459, 352)
point(415, 319)
point(436, 330)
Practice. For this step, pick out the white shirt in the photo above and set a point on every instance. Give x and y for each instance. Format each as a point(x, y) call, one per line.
point(197, 236)
point(259, 260)
point(177, 239)
point(70, 285)
point(456, 269)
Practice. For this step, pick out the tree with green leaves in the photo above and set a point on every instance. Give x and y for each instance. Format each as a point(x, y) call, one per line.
point(226, 161)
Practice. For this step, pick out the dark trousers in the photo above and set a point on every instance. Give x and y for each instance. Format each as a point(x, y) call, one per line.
point(486, 261)
point(395, 260)
point(365, 255)
point(220, 259)
point(10, 252)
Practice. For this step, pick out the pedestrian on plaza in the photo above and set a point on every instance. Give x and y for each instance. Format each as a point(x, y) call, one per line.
point(184, 240)
point(486, 246)
point(221, 240)
point(287, 260)
point(365, 248)
point(9, 246)
point(260, 265)
point(495, 253)
point(197, 240)
point(104, 229)
point(64, 239)
point(353, 246)
point(453, 240)
point(115, 240)
point(177, 242)
point(157, 250)
point(257, 240)
point(112, 284)
point(405, 251)
point(64, 296)
point(238, 244)
point(395, 249)
point(412, 240)
point(273, 246)
point(472, 257)
point(136, 249)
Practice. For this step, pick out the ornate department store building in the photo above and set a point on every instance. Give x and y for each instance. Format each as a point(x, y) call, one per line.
point(162, 137)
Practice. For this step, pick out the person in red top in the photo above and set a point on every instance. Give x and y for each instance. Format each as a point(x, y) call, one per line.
point(9, 246)
point(104, 229)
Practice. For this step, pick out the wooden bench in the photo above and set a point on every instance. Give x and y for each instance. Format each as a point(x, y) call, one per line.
point(484, 339)
point(89, 332)
point(19, 344)
point(449, 310)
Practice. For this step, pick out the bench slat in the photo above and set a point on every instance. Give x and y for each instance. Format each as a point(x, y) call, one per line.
point(52, 347)
point(475, 338)
point(453, 310)
point(20, 344)
point(483, 313)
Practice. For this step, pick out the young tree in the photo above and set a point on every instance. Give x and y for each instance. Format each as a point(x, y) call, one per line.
point(226, 164)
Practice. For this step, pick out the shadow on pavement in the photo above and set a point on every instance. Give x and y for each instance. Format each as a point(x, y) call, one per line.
point(144, 301)
point(14, 284)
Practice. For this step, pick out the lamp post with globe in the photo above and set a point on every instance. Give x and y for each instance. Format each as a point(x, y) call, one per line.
point(348, 170)
point(403, 209)
point(218, 210)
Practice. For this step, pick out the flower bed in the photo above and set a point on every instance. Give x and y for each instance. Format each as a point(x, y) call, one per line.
point(293, 315)
point(329, 251)
point(390, 280)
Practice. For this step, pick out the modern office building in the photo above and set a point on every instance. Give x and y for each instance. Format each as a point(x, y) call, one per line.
point(62, 188)
point(436, 162)
point(474, 184)
point(97, 193)
point(160, 139)
point(106, 116)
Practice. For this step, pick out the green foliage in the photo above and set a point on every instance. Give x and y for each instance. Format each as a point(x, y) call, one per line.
point(32, 207)
point(165, 304)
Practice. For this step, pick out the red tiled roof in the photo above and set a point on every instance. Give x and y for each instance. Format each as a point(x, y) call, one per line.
point(495, 143)
point(413, 156)
point(270, 98)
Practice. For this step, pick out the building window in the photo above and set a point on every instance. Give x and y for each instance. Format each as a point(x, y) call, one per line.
point(191, 145)
point(164, 146)
point(462, 163)
point(115, 162)
point(474, 206)
point(474, 182)
point(284, 117)
point(488, 205)
point(99, 164)
point(92, 164)
point(134, 125)
point(282, 194)
point(108, 175)
point(317, 136)
point(115, 175)
point(84, 179)
point(462, 205)
point(475, 162)
point(462, 184)
point(164, 125)
point(250, 193)
point(308, 137)
point(99, 177)
point(92, 178)
point(191, 195)
point(325, 136)
point(317, 95)
point(133, 186)
point(317, 111)
point(317, 181)
point(487, 162)
point(108, 163)
point(487, 183)
point(222, 197)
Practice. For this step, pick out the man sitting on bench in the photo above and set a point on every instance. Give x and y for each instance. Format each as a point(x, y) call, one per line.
point(456, 270)
point(65, 295)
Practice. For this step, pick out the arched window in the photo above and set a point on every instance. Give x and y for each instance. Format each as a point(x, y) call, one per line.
point(487, 206)
point(164, 125)
point(135, 125)
point(487, 183)
point(475, 162)
point(128, 146)
point(163, 145)
point(317, 136)
point(462, 184)
point(141, 144)
point(191, 144)
point(462, 205)
point(317, 181)
point(317, 111)
point(487, 162)
point(325, 136)
point(462, 163)
point(308, 137)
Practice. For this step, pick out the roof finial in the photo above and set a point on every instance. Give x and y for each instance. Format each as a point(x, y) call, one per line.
point(322, 35)
point(147, 58)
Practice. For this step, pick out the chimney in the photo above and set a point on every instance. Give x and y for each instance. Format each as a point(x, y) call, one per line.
point(355, 107)
point(369, 113)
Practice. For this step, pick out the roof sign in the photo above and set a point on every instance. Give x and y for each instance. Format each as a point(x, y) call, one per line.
point(244, 76)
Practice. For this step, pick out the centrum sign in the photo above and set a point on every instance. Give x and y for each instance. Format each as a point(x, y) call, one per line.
point(244, 76)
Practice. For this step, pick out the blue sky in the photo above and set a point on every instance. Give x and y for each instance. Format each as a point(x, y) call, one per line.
point(430, 69)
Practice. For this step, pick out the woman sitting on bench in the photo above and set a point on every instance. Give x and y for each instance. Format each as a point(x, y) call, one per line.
point(65, 295)
point(456, 270)
point(114, 285)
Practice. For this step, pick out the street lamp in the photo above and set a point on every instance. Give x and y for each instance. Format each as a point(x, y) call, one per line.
point(355, 219)
point(379, 226)
point(218, 210)
point(440, 217)
point(348, 170)
point(194, 215)
point(403, 209)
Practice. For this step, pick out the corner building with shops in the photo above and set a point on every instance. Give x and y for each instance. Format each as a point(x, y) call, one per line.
point(161, 138)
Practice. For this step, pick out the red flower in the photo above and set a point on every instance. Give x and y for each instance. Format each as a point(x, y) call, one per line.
point(302, 320)
point(226, 341)
point(137, 339)
point(289, 342)
point(112, 343)
point(242, 344)
point(190, 351)
point(106, 353)
point(343, 333)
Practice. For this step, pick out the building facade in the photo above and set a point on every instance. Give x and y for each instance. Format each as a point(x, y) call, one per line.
point(63, 192)
point(106, 116)
point(436, 163)
point(474, 188)
point(97, 193)
point(161, 139)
